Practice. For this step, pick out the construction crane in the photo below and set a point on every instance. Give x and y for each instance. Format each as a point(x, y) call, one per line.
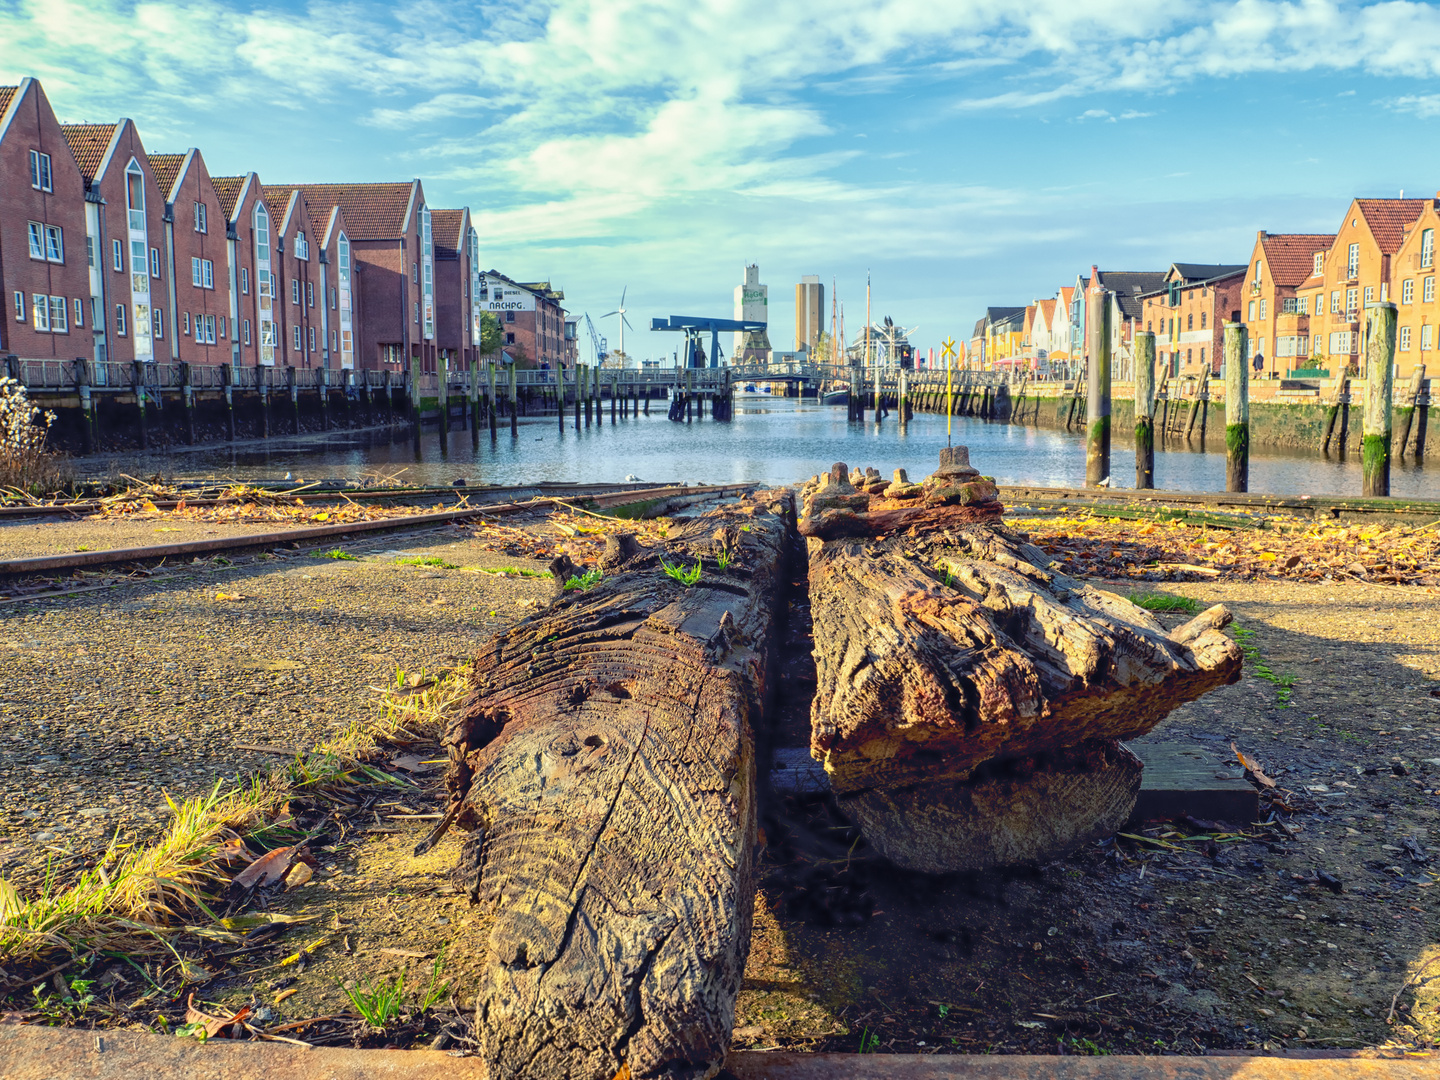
point(597, 341)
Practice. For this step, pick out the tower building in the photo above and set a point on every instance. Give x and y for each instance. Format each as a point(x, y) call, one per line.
point(809, 312)
point(752, 304)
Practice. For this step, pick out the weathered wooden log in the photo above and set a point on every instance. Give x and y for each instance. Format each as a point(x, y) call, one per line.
point(604, 766)
point(940, 651)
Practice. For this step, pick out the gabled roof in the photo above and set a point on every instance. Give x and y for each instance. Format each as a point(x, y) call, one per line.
point(1387, 219)
point(166, 168)
point(372, 211)
point(227, 190)
point(7, 94)
point(1193, 273)
point(1128, 286)
point(447, 229)
point(1045, 313)
point(995, 315)
point(979, 328)
point(1067, 294)
point(89, 143)
point(1290, 257)
point(282, 202)
point(542, 288)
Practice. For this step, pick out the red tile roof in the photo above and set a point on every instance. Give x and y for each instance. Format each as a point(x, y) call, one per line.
point(445, 225)
point(277, 198)
point(88, 142)
point(1291, 256)
point(1047, 313)
point(166, 168)
point(227, 190)
point(372, 211)
point(1387, 219)
point(6, 94)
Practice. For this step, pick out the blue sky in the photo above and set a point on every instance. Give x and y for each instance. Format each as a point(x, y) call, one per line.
point(967, 153)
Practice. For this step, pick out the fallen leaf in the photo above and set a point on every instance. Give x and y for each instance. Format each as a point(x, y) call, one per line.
point(283, 994)
point(299, 874)
point(411, 763)
point(1253, 767)
point(214, 1025)
point(250, 922)
point(266, 869)
point(235, 851)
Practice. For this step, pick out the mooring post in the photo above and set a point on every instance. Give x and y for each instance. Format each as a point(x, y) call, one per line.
point(578, 368)
point(227, 385)
point(322, 383)
point(1237, 409)
point(414, 378)
point(87, 411)
point(514, 403)
point(1097, 406)
point(262, 387)
point(293, 385)
point(490, 405)
point(1379, 393)
point(1422, 422)
point(442, 372)
point(1145, 410)
point(187, 403)
point(472, 400)
point(902, 399)
point(137, 385)
point(1407, 411)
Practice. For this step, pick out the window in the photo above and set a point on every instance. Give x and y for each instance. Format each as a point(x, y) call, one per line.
point(40, 178)
point(312, 339)
point(200, 218)
point(510, 317)
point(1250, 312)
point(509, 339)
point(209, 329)
point(221, 323)
point(1258, 275)
point(1370, 294)
point(37, 240)
point(1319, 263)
point(1407, 291)
point(1352, 301)
point(1427, 338)
point(333, 300)
point(1429, 290)
point(415, 272)
point(120, 320)
point(1302, 305)
point(295, 290)
point(59, 323)
point(1202, 321)
point(135, 196)
point(297, 338)
point(417, 311)
point(1335, 302)
point(1353, 266)
point(79, 313)
point(1262, 310)
point(19, 307)
point(1202, 354)
point(1427, 251)
point(158, 318)
point(1189, 322)
point(89, 251)
point(185, 322)
point(245, 280)
point(309, 294)
point(302, 247)
point(40, 312)
point(1189, 355)
point(208, 266)
point(332, 340)
point(202, 273)
point(1149, 327)
point(1289, 305)
point(195, 276)
point(1341, 342)
point(1404, 339)
point(118, 256)
point(246, 327)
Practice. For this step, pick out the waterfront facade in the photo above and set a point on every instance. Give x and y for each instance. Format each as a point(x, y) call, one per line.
point(156, 261)
point(531, 317)
point(1274, 312)
point(1187, 315)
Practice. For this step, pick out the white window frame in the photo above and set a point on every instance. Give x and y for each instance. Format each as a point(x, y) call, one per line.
point(209, 329)
point(119, 320)
point(246, 328)
point(40, 312)
point(19, 306)
point(79, 318)
point(309, 294)
point(1427, 337)
point(1404, 345)
point(54, 244)
point(1369, 294)
point(207, 267)
point(1352, 265)
point(244, 281)
point(36, 235)
point(1428, 291)
point(202, 224)
point(1427, 248)
point(295, 291)
point(1352, 301)
point(312, 339)
point(195, 271)
point(1319, 263)
point(1407, 291)
point(59, 315)
point(295, 337)
point(158, 318)
point(155, 263)
point(42, 177)
point(185, 323)
point(117, 252)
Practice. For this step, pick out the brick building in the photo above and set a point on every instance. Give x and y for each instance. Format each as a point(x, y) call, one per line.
point(124, 217)
point(249, 261)
point(533, 335)
point(44, 277)
point(1188, 313)
point(299, 288)
point(1354, 271)
point(457, 286)
point(338, 315)
point(1412, 287)
point(197, 320)
point(1276, 317)
point(387, 230)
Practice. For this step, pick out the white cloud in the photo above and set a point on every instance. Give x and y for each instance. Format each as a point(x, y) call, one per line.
point(1422, 105)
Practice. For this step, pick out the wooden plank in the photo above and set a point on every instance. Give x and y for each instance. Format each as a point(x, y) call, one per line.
point(1187, 777)
point(605, 767)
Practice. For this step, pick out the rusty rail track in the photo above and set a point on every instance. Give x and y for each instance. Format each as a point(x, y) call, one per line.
point(670, 498)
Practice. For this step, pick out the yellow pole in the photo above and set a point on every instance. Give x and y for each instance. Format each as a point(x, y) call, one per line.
point(949, 354)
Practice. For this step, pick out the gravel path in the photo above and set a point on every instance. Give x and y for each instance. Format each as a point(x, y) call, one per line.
point(27, 539)
point(113, 699)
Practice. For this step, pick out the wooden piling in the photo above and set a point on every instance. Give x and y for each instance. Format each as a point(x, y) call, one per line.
point(514, 404)
point(1237, 409)
point(1332, 414)
point(1406, 412)
point(137, 384)
point(87, 405)
point(1145, 410)
point(1345, 416)
point(227, 379)
point(1422, 421)
point(1097, 410)
point(187, 403)
point(1379, 393)
point(442, 371)
point(322, 383)
point(491, 408)
point(472, 397)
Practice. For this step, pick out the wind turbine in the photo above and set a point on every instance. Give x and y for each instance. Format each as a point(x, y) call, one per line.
point(624, 322)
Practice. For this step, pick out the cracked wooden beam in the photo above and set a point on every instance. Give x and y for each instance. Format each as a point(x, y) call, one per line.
point(604, 767)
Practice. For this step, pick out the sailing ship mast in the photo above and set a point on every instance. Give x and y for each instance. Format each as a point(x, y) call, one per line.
point(867, 318)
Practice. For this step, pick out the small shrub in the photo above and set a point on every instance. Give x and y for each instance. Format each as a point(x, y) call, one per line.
point(378, 1004)
point(24, 462)
point(1165, 602)
point(336, 553)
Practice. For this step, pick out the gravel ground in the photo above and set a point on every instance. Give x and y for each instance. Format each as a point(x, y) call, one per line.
point(113, 699)
point(28, 539)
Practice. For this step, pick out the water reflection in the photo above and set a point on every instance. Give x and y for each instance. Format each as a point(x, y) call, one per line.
point(773, 440)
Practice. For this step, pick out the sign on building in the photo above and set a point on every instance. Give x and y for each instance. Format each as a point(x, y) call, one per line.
point(498, 295)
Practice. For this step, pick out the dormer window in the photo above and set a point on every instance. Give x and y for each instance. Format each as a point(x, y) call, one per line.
point(1319, 263)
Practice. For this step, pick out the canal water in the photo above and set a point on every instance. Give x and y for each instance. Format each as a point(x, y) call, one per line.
point(772, 440)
